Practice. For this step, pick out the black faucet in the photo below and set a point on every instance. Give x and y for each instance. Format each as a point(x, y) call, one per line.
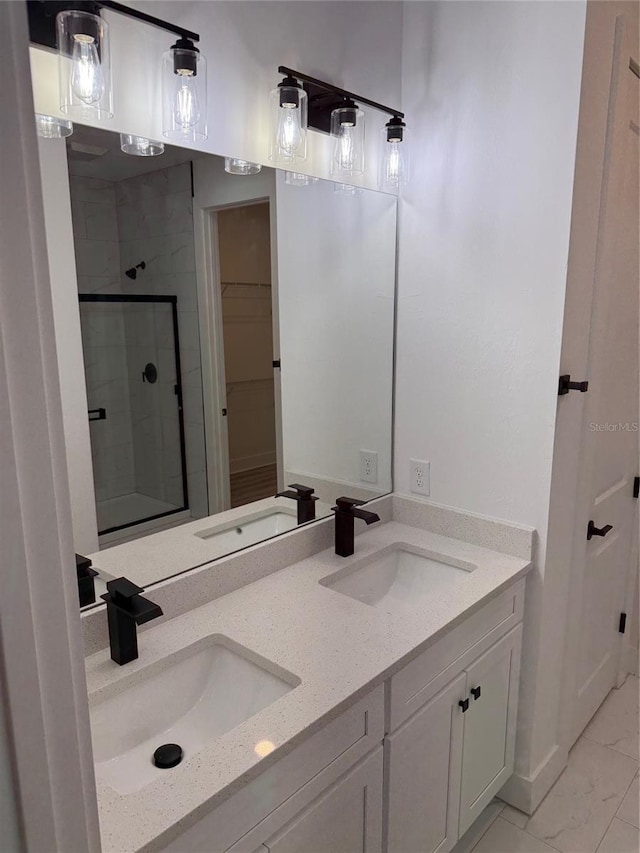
point(305, 499)
point(346, 511)
point(86, 585)
point(126, 608)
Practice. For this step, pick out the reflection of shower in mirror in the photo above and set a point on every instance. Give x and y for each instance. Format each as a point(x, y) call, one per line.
point(133, 272)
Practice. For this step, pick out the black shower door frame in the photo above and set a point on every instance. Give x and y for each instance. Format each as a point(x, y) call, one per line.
point(173, 301)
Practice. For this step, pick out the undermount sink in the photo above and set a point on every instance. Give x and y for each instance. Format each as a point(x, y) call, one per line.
point(189, 699)
point(250, 529)
point(399, 578)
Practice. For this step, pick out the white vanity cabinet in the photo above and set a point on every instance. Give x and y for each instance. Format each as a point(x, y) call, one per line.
point(406, 769)
point(452, 754)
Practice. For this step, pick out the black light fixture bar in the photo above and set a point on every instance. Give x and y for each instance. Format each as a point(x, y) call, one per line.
point(148, 19)
point(42, 18)
point(324, 97)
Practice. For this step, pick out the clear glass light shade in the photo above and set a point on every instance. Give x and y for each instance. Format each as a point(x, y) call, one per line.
point(84, 66)
point(50, 127)
point(298, 179)
point(347, 143)
point(184, 95)
point(234, 166)
point(394, 162)
point(139, 146)
point(288, 106)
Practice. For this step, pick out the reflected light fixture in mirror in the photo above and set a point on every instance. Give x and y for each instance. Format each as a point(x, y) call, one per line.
point(184, 85)
point(84, 69)
point(346, 189)
point(347, 149)
point(50, 127)
point(139, 146)
point(288, 123)
point(235, 166)
point(394, 155)
point(298, 179)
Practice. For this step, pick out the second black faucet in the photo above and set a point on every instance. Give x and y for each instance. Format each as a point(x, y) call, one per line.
point(346, 510)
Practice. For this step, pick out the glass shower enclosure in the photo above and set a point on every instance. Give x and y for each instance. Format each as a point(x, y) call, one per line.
point(132, 369)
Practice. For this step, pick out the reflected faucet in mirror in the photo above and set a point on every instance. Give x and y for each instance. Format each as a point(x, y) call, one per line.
point(305, 499)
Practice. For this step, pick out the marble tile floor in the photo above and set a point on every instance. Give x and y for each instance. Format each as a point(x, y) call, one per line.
point(593, 807)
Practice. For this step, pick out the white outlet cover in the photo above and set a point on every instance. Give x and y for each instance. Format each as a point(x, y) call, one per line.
point(368, 466)
point(419, 477)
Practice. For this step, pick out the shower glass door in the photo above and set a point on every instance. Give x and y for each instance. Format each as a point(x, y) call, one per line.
point(132, 369)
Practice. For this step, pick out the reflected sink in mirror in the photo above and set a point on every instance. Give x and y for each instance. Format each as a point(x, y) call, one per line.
point(188, 699)
point(399, 578)
point(251, 529)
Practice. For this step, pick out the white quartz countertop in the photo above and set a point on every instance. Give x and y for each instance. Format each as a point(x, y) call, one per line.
point(338, 647)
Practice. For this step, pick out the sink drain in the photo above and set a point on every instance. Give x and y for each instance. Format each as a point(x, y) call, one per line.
point(168, 755)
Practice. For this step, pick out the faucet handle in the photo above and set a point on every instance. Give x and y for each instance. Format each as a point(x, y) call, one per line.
point(305, 493)
point(346, 504)
point(122, 590)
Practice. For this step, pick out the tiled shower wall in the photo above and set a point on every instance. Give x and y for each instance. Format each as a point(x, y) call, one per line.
point(155, 223)
point(117, 225)
point(95, 225)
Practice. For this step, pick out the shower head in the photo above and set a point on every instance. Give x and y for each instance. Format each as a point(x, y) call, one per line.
point(133, 272)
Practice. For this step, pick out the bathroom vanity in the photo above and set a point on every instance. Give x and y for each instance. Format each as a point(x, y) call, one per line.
point(366, 703)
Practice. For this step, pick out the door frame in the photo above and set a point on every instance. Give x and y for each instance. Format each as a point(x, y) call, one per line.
point(51, 771)
point(212, 349)
point(608, 62)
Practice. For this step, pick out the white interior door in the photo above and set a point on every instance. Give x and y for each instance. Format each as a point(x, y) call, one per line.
point(609, 455)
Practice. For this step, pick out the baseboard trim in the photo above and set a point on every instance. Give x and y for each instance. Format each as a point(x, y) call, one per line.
point(527, 792)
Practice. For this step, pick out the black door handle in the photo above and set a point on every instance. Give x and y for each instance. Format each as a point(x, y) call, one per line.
point(592, 530)
point(565, 385)
point(464, 704)
point(476, 692)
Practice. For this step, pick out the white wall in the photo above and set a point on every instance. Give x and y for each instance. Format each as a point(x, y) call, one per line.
point(336, 265)
point(62, 273)
point(492, 92)
point(244, 44)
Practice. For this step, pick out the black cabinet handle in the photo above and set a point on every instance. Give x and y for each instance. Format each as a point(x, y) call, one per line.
point(476, 692)
point(464, 704)
point(592, 530)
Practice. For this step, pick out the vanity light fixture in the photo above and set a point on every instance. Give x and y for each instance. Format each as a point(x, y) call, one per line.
point(50, 127)
point(394, 155)
point(235, 166)
point(347, 149)
point(84, 68)
point(81, 36)
point(288, 122)
point(184, 87)
point(139, 146)
point(298, 179)
point(338, 112)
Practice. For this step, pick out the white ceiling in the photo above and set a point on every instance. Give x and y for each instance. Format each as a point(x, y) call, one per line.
point(114, 165)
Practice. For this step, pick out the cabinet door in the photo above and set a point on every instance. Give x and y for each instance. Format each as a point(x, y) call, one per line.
point(489, 726)
point(423, 766)
point(345, 818)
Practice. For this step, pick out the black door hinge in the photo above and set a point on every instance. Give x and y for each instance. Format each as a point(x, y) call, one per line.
point(622, 624)
point(276, 363)
point(565, 385)
point(636, 487)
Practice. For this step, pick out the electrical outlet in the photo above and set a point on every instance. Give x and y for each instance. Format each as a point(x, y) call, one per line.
point(368, 466)
point(419, 476)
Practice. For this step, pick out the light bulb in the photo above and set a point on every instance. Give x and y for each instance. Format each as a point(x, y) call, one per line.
point(289, 133)
point(393, 164)
point(344, 148)
point(186, 106)
point(87, 80)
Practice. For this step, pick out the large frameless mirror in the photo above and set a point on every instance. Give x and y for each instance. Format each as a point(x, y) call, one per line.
point(237, 338)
